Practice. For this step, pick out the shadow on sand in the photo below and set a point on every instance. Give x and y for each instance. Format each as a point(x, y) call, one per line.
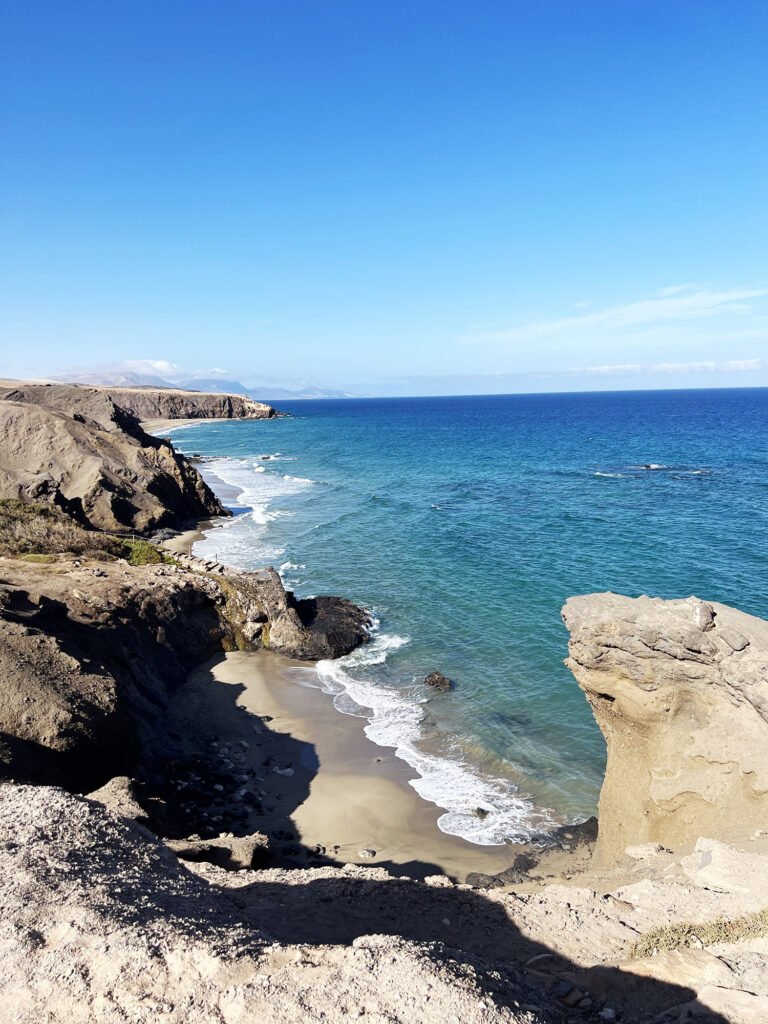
point(460, 924)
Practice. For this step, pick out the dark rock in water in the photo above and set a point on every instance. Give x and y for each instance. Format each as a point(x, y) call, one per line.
point(438, 682)
point(231, 852)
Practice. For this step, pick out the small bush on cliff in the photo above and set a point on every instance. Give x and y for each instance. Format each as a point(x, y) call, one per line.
point(38, 533)
point(32, 530)
point(685, 934)
point(141, 552)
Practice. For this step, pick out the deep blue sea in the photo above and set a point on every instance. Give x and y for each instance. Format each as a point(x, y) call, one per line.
point(463, 524)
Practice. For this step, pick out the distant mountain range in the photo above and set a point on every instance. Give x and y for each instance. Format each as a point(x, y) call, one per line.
point(261, 393)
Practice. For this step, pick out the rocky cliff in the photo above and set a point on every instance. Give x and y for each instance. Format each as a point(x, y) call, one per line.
point(176, 404)
point(139, 403)
point(90, 653)
point(75, 448)
point(680, 692)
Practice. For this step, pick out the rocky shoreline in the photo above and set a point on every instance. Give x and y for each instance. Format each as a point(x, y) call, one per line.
point(138, 886)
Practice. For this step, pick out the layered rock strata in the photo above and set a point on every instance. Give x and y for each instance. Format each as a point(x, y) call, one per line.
point(680, 692)
point(173, 404)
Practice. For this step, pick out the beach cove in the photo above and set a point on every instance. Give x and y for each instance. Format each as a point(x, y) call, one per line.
point(491, 532)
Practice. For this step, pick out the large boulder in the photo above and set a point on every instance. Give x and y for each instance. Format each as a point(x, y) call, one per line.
point(680, 692)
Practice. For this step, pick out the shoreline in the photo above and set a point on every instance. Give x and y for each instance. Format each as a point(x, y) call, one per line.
point(359, 797)
point(322, 783)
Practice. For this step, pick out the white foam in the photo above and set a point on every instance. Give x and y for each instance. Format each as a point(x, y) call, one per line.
point(450, 782)
point(609, 474)
point(244, 540)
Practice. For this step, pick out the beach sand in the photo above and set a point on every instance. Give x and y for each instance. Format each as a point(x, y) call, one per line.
point(326, 789)
point(161, 428)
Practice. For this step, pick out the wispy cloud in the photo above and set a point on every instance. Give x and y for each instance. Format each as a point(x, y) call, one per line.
point(668, 306)
point(658, 369)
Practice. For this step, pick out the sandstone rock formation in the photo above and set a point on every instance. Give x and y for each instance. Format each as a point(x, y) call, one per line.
point(680, 692)
point(90, 654)
point(90, 458)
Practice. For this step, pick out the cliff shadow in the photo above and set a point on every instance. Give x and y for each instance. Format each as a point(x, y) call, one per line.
point(235, 749)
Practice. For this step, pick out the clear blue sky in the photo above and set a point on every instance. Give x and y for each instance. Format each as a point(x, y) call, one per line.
point(420, 197)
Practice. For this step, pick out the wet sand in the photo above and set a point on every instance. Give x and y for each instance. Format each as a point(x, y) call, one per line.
point(325, 787)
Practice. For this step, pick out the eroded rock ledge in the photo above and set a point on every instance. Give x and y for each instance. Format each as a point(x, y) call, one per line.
point(680, 692)
point(90, 653)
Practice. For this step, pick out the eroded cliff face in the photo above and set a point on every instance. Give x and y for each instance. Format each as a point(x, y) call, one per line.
point(90, 654)
point(76, 449)
point(136, 403)
point(680, 692)
point(172, 404)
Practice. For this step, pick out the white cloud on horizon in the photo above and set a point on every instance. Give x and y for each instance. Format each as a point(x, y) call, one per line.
point(615, 370)
point(621, 369)
point(671, 305)
point(149, 366)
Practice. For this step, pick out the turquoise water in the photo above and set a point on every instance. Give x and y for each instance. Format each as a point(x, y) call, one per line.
point(464, 524)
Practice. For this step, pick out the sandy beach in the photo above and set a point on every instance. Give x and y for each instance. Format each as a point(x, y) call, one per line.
point(326, 789)
point(160, 428)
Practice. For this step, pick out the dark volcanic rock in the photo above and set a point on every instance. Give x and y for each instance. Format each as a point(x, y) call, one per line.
point(569, 847)
point(438, 682)
point(333, 627)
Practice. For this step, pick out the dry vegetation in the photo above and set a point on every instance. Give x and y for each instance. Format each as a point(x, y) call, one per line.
point(40, 533)
point(684, 934)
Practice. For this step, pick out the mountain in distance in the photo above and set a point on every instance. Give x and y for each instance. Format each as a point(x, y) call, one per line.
point(215, 385)
point(259, 392)
point(114, 379)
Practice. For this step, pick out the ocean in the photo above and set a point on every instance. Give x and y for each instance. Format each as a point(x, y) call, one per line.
point(463, 524)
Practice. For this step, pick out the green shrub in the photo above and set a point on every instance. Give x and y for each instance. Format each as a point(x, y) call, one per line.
point(141, 552)
point(38, 533)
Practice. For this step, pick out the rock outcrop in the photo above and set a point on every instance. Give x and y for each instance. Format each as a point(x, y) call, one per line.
point(680, 692)
point(102, 922)
point(138, 403)
point(90, 654)
point(175, 404)
point(439, 682)
point(75, 449)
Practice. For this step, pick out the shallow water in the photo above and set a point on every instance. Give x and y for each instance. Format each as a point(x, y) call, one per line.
point(464, 524)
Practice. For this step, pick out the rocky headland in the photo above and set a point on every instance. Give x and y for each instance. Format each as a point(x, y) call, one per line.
point(138, 885)
point(143, 403)
point(74, 448)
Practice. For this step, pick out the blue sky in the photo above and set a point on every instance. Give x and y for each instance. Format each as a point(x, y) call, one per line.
point(392, 198)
